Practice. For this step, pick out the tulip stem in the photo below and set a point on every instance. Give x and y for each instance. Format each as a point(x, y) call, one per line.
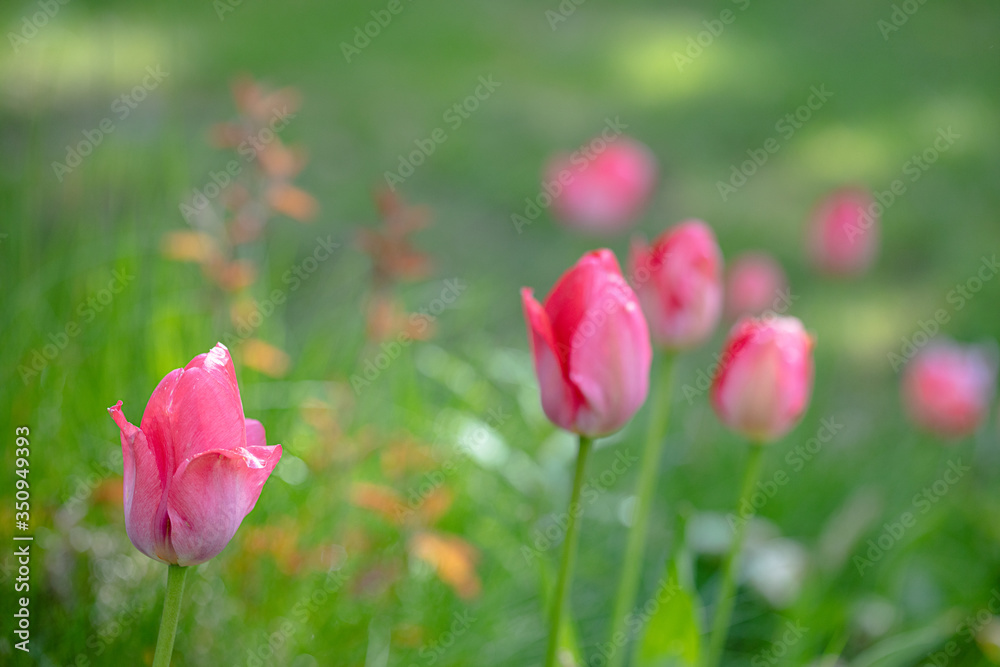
point(726, 599)
point(171, 612)
point(561, 596)
point(649, 467)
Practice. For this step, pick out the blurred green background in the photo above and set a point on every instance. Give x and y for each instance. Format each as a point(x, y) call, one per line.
point(314, 570)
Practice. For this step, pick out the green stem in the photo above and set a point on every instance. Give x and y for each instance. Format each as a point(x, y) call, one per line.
point(726, 599)
point(568, 553)
point(171, 612)
point(649, 467)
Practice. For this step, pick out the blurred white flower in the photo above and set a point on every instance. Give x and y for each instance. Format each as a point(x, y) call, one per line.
point(874, 616)
point(708, 533)
point(775, 569)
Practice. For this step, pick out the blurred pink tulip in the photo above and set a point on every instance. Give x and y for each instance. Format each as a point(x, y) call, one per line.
point(195, 466)
point(602, 191)
point(843, 233)
point(948, 388)
point(765, 377)
point(679, 283)
point(755, 282)
point(591, 347)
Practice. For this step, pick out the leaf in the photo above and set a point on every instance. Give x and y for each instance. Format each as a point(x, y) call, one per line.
point(569, 653)
point(379, 639)
point(907, 647)
point(569, 644)
point(672, 632)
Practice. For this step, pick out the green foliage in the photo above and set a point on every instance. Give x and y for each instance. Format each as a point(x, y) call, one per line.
point(312, 578)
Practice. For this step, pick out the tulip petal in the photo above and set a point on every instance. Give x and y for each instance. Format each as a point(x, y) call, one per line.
point(591, 347)
point(758, 411)
point(204, 410)
point(606, 192)
point(219, 364)
point(765, 377)
point(843, 237)
point(210, 495)
point(639, 259)
point(571, 296)
point(255, 434)
point(156, 425)
point(142, 487)
point(679, 283)
point(610, 358)
point(559, 398)
point(947, 387)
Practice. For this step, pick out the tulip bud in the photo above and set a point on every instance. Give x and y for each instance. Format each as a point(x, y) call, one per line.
point(764, 378)
point(948, 388)
point(195, 466)
point(755, 283)
point(843, 236)
point(591, 347)
point(679, 283)
point(604, 189)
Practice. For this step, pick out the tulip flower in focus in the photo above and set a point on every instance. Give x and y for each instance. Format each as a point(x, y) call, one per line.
point(602, 191)
point(765, 377)
point(679, 282)
point(843, 233)
point(948, 388)
point(591, 347)
point(195, 466)
point(755, 282)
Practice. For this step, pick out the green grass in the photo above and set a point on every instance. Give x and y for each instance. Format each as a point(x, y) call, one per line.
point(63, 240)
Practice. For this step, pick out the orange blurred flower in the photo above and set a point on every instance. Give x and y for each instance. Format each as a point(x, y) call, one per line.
point(405, 455)
point(292, 201)
point(453, 559)
point(264, 357)
point(394, 257)
point(379, 499)
point(190, 247)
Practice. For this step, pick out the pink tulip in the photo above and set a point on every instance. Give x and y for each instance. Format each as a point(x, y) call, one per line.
point(591, 347)
point(765, 377)
point(679, 283)
point(948, 388)
point(195, 466)
point(602, 191)
point(843, 236)
point(755, 283)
